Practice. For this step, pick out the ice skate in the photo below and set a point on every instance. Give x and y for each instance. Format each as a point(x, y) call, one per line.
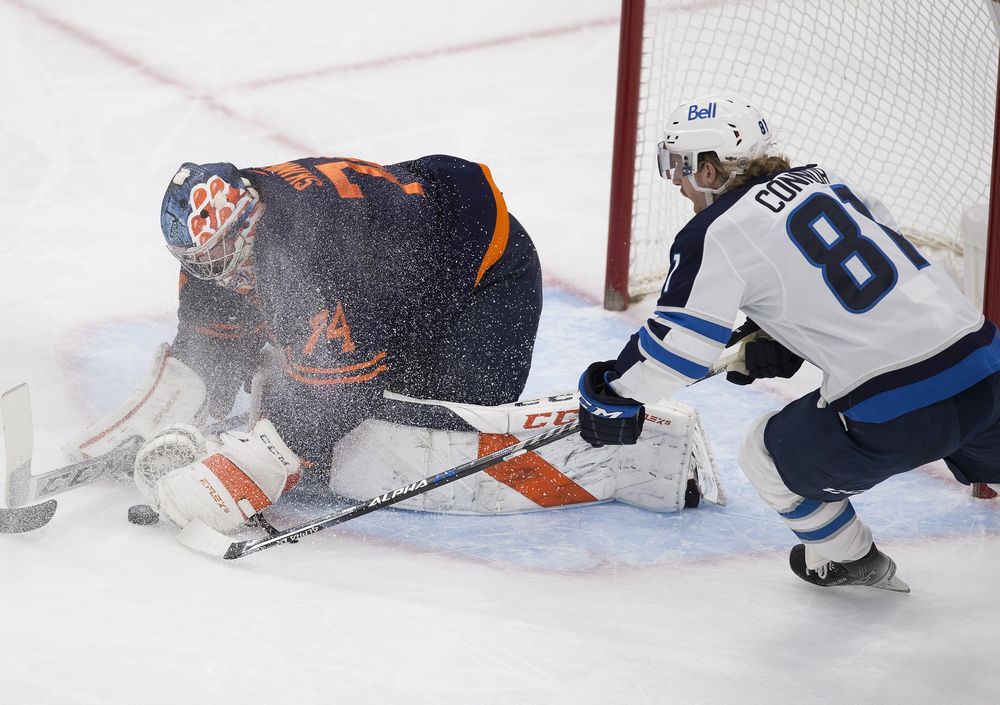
point(875, 570)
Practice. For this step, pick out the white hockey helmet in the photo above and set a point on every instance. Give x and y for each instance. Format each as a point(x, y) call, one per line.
point(730, 127)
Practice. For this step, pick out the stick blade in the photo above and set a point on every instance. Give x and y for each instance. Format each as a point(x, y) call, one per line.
point(199, 536)
point(18, 520)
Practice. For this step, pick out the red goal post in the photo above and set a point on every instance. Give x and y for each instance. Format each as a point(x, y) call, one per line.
point(900, 97)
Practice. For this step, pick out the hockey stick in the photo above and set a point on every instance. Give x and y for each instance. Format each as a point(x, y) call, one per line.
point(200, 537)
point(19, 520)
point(24, 488)
point(15, 405)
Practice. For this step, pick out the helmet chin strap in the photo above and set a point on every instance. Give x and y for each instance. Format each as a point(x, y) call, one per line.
point(710, 193)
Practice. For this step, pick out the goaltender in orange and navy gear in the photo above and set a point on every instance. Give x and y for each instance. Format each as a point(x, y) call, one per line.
point(410, 276)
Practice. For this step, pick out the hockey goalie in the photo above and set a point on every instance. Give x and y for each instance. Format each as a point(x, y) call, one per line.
point(383, 318)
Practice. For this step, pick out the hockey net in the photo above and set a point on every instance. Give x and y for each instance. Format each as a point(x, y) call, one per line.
point(898, 97)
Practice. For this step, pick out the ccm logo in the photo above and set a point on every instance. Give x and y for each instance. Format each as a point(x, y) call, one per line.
point(542, 420)
point(694, 113)
point(274, 450)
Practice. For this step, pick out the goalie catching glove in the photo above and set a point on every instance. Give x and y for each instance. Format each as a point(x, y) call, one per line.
point(246, 473)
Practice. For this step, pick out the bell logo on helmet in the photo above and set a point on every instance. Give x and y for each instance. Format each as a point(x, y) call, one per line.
point(730, 128)
point(696, 113)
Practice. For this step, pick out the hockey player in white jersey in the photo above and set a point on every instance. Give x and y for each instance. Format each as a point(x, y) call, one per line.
point(910, 367)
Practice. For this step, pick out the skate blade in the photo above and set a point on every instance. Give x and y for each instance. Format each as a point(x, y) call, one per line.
point(891, 583)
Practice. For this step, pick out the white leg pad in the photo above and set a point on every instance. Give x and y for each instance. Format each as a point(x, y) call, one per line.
point(831, 531)
point(673, 447)
point(378, 456)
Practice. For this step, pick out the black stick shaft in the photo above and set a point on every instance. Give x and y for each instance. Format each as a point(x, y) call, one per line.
point(245, 548)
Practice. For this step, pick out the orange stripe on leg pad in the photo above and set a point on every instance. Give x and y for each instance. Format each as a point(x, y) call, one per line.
point(531, 475)
point(236, 481)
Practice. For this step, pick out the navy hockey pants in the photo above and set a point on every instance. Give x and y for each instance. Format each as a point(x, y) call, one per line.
point(821, 455)
point(483, 354)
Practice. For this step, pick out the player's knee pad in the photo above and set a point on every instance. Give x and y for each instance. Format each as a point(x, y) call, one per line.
point(760, 469)
point(830, 530)
point(379, 456)
point(814, 522)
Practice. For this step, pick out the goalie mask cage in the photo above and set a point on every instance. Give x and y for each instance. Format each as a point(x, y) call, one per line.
point(900, 97)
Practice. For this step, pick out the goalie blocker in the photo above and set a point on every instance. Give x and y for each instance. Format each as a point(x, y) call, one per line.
point(171, 393)
point(379, 456)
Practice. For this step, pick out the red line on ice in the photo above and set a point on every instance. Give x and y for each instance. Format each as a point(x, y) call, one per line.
point(151, 72)
point(383, 62)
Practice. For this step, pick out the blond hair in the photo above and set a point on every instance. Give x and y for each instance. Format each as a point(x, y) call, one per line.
point(758, 168)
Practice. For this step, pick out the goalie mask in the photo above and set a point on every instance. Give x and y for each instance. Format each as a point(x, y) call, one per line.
point(209, 215)
point(730, 127)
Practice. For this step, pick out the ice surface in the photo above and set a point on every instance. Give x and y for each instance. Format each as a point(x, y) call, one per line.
point(607, 604)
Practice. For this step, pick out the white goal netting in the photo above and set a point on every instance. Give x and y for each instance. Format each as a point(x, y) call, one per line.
point(896, 96)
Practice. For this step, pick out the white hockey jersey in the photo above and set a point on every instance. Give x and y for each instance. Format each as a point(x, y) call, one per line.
point(822, 269)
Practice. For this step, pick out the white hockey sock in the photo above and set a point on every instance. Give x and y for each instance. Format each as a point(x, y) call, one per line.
point(831, 531)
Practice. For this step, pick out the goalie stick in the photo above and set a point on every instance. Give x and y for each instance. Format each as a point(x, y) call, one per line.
point(19, 520)
point(15, 405)
point(24, 488)
point(201, 537)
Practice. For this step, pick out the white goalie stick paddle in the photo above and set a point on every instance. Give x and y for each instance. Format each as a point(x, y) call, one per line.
point(15, 405)
point(199, 536)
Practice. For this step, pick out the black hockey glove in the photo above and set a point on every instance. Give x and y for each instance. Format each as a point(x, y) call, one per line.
point(744, 331)
point(764, 357)
point(605, 417)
